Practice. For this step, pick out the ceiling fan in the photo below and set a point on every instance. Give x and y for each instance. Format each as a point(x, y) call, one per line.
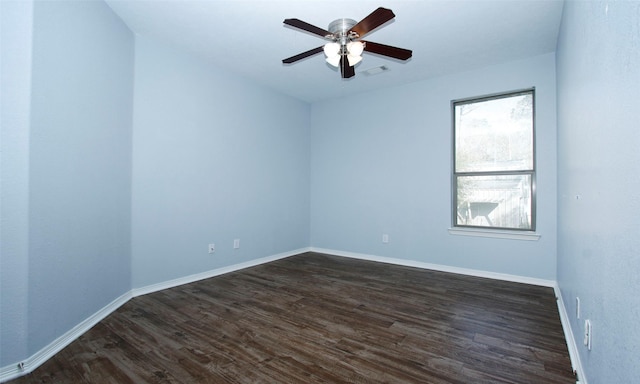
point(345, 48)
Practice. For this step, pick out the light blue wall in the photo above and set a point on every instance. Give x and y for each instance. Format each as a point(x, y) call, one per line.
point(381, 163)
point(598, 171)
point(79, 165)
point(216, 158)
point(16, 23)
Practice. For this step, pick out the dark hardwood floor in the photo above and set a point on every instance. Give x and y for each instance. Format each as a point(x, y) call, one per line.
point(315, 318)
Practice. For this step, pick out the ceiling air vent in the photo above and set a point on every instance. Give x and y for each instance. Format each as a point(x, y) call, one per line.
point(376, 70)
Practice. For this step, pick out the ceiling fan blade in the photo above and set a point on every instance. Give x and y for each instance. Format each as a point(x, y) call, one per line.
point(302, 55)
point(308, 27)
point(373, 21)
point(346, 70)
point(387, 50)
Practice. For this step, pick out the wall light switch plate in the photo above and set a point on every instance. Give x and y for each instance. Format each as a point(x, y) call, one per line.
point(212, 248)
point(236, 243)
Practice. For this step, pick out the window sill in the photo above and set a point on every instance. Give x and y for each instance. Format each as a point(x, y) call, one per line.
point(497, 234)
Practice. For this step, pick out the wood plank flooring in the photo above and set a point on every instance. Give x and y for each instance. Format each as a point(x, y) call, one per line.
point(314, 318)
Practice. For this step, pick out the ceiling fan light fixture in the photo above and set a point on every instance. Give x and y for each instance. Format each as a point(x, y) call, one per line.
point(334, 60)
point(332, 49)
point(353, 60)
point(355, 48)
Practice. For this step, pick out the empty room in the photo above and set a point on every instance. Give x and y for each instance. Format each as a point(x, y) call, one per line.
point(320, 191)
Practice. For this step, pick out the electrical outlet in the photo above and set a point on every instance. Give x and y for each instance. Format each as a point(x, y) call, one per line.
point(577, 307)
point(587, 334)
point(236, 243)
point(212, 248)
point(385, 238)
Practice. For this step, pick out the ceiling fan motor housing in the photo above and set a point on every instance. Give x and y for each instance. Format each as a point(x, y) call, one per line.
point(340, 29)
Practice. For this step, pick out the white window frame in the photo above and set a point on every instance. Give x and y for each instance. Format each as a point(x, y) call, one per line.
point(493, 231)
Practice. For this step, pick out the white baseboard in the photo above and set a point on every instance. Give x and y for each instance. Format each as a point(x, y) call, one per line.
point(213, 273)
point(576, 364)
point(439, 267)
point(30, 364)
point(564, 318)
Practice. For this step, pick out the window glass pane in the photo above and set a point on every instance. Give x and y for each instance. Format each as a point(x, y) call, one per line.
point(495, 134)
point(501, 201)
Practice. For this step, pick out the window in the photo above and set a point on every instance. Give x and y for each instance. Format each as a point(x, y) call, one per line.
point(494, 162)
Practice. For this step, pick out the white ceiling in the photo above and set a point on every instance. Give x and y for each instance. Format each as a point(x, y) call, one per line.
point(249, 38)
